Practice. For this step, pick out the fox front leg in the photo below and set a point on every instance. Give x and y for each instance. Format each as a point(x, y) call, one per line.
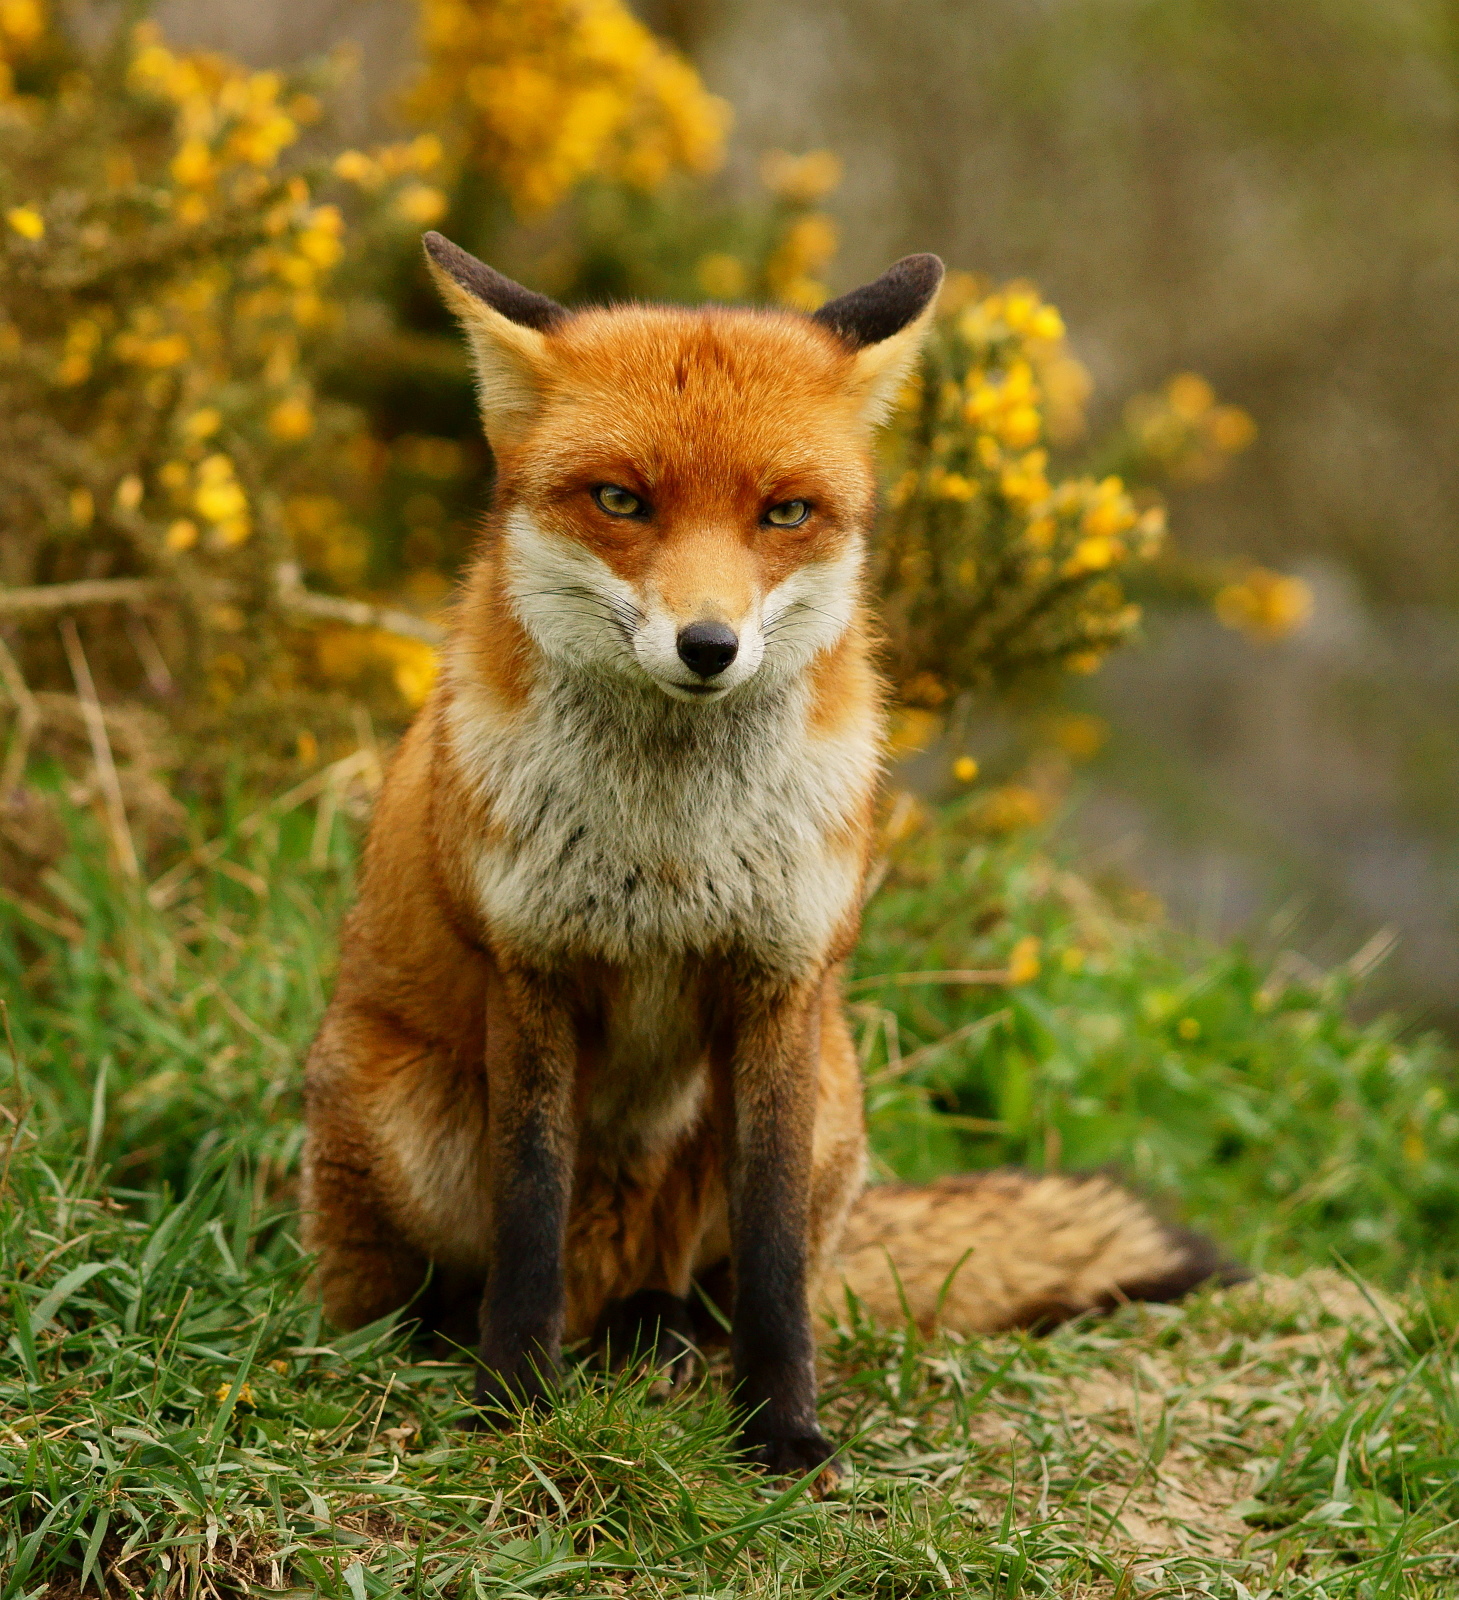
point(531, 1137)
point(767, 1096)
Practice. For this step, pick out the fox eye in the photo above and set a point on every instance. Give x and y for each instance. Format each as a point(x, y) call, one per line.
point(618, 502)
point(788, 514)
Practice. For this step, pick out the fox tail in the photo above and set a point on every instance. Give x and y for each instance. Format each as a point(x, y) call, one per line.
point(984, 1252)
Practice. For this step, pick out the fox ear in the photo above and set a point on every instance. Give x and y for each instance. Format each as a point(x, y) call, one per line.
point(884, 323)
point(506, 325)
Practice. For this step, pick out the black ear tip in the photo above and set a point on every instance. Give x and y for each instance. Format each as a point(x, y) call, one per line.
point(924, 269)
point(878, 310)
point(491, 287)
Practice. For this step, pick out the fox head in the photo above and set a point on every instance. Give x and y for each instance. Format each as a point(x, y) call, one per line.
point(684, 494)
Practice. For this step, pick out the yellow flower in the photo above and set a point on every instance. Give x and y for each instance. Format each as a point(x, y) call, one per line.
point(22, 20)
point(551, 92)
point(722, 277)
point(1011, 808)
point(354, 166)
point(1018, 307)
point(260, 143)
point(1024, 964)
point(291, 420)
point(965, 769)
point(415, 667)
point(82, 507)
point(203, 423)
point(232, 531)
point(192, 166)
point(1020, 427)
point(1188, 1028)
point(1110, 515)
point(167, 350)
point(1230, 429)
point(28, 223)
point(182, 535)
point(1024, 482)
point(913, 729)
point(1189, 396)
point(1093, 555)
point(803, 294)
point(802, 180)
point(425, 151)
point(808, 245)
point(953, 486)
point(1266, 605)
point(420, 204)
point(1039, 534)
point(1079, 735)
point(129, 493)
point(1046, 324)
point(219, 498)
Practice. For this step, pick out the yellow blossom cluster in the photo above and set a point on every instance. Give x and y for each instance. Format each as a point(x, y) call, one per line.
point(1265, 605)
point(808, 239)
point(168, 279)
point(1183, 433)
point(547, 93)
point(787, 263)
point(989, 567)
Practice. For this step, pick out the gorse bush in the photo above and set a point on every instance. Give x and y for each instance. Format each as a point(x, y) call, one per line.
point(544, 94)
point(168, 282)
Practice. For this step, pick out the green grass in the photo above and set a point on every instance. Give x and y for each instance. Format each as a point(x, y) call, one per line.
point(174, 1420)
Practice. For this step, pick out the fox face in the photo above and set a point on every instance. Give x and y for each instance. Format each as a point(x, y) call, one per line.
point(682, 495)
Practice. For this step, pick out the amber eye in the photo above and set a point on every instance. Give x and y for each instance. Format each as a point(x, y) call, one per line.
point(618, 502)
point(788, 514)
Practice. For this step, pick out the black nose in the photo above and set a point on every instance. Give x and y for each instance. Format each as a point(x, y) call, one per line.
point(707, 647)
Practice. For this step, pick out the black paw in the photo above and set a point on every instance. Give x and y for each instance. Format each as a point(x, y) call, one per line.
point(652, 1329)
point(794, 1456)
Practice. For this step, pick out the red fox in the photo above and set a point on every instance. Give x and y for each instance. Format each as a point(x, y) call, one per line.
point(587, 1042)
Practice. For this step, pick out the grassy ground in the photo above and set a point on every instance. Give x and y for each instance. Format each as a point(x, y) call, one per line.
point(174, 1419)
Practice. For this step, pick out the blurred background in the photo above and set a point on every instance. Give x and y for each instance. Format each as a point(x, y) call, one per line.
point(1265, 194)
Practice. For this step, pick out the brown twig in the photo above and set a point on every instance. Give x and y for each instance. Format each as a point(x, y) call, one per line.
point(88, 592)
point(28, 719)
point(106, 771)
point(293, 596)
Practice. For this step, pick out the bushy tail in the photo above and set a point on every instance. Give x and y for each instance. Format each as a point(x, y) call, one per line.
point(1033, 1251)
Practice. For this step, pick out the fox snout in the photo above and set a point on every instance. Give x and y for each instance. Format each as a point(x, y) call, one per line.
point(707, 648)
point(701, 655)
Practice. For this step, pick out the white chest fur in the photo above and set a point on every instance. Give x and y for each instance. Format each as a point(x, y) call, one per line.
point(633, 827)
